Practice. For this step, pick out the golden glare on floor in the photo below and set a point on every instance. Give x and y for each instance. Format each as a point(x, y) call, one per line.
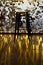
point(22, 50)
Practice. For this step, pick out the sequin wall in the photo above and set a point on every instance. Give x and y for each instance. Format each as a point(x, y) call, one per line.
point(22, 50)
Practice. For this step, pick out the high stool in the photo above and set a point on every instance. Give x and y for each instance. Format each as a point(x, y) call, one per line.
point(18, 20)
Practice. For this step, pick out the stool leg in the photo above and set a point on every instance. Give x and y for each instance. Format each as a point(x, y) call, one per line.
point(18, 18)
point(28, 23)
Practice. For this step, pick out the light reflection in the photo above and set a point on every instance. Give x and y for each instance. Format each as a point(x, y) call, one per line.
point(22, 49)
point(9, 49)
point(5, 39)
point(42, 45)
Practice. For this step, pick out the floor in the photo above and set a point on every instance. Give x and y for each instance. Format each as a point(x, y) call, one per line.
point(21, 49)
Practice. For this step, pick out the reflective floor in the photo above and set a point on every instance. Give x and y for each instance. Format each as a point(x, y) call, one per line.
point(21, 49)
